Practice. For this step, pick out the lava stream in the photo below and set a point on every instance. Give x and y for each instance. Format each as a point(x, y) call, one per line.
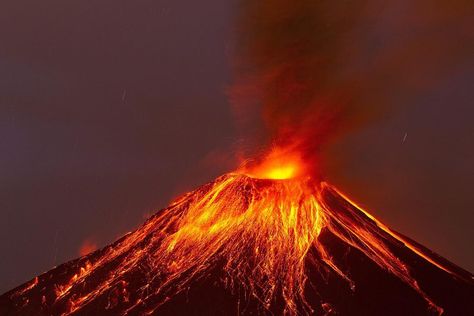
point(262, 233)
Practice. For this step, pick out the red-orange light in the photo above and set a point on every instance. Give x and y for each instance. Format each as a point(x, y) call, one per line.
point(279, 164)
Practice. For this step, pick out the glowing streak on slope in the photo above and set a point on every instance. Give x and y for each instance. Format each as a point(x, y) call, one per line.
point(261, 231)
point(392, 233)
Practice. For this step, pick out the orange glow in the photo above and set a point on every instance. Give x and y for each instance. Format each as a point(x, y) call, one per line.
point(279, 164)
point(265, 232)
point(87, 247)
point(281, 172)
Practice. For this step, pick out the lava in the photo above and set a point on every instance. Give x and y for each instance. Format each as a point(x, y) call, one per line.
point(279, 164)
point(262, 230)
point(261, 227)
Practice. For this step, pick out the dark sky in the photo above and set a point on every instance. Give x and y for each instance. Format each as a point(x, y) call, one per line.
point(109, 110)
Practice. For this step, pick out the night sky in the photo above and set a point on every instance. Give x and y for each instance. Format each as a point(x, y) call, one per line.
point(109, 110)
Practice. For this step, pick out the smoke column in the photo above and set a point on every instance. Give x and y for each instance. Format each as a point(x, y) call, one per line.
point(313, 70)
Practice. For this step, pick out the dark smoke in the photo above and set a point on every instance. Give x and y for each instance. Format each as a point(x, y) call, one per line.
point(315, 69)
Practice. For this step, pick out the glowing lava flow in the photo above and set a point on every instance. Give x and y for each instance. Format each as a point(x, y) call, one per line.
point(262, 233)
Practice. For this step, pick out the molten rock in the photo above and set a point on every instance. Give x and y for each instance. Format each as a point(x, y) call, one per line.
point(253, 246)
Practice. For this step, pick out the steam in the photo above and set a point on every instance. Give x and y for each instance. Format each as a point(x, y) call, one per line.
point(315, 69)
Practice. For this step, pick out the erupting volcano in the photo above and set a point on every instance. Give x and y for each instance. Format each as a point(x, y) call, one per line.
point(265, 240)
point(272, 237)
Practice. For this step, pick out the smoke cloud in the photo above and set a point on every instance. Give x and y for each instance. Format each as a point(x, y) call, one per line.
point(313, 70)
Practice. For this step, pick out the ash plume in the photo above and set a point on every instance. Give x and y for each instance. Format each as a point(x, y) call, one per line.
point(314, 70)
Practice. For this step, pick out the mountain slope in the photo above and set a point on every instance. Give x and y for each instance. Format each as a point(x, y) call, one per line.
point(241, 245)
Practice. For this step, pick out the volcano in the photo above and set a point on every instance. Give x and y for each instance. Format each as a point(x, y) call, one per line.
point(251, 246)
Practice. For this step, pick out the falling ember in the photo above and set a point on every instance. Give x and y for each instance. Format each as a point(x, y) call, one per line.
point(87, 247)
point(261, 232)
